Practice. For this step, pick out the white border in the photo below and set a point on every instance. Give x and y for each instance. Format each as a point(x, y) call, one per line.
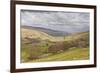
point(20, 65)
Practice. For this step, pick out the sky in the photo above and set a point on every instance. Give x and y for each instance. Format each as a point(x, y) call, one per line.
point(58, 20)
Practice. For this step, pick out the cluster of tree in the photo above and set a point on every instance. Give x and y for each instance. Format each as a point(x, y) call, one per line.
point(36, 52)
point(81, 42)
point(57, 47)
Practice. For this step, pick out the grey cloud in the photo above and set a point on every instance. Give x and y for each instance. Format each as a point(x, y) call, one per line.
point(62, 21)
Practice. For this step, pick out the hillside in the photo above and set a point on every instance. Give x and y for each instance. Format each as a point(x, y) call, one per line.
point(30, 33)
point(72, 54)
point(37, 46)
point(51, 32)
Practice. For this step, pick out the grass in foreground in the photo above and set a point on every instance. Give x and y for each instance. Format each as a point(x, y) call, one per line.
point(72, 54)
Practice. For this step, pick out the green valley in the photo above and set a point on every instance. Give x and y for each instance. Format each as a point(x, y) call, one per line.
point(38, 46)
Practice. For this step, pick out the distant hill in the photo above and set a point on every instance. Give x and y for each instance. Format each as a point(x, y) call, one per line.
point(48, 31)
point(39, 33)
point(35, 34)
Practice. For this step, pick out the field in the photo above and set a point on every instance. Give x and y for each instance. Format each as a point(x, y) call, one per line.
point(72, 54)
point(38, 46)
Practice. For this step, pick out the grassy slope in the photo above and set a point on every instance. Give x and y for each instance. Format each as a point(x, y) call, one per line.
point(43, 36)
point(72, 54)
point(38, 34)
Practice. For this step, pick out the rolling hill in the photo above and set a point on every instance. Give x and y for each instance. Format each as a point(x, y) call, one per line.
point(36, 45)
point(51, 32)
point(31, 33)
point(47, 34)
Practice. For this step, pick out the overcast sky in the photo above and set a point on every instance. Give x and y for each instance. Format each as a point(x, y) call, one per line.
point(62, 21)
